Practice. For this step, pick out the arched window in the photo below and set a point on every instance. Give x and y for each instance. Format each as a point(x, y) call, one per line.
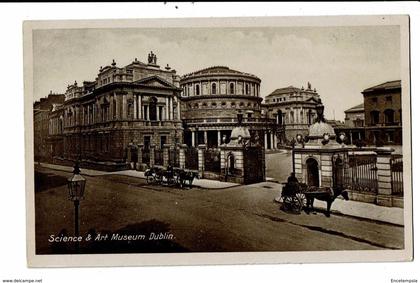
point(389, 116)
point(197, 90)
point(213, 88)
point(231, 88)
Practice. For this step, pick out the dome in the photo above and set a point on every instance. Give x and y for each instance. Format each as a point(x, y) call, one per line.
point(240, 132)
point(317, 130)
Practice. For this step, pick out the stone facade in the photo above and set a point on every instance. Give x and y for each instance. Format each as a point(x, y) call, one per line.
point(106, 120)
point(213, 97)
point(42, 128)
point(293, 108)
point(382, 104)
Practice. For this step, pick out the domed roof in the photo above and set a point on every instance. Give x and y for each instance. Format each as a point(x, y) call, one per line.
point(318, 130)
point(240, 132)
point(218, 70)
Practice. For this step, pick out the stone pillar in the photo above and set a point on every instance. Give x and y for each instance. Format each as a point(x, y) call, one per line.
point(140, 107)
point(124, 106)
point(152, 155)
point(201, 149)
point(205, 138)
point(139, 156)
point(219, 138)
point(117, 100)
point(135, 106)
point(167, 108)
point(178, 108)
point(275, 140)
point(265, 140)
point(326, 169)
point(128, 154)
point(383, 164)
point(193, 138)
point(182, 149)
point(166, 154)
point(157, 113)
point(171, 109)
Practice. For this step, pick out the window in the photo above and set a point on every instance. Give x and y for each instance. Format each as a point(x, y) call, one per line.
point(374, 117)
point(197, 90)
point(213, 88)
point(389, 116)
point(247, 89)
point(152, 108)
point(231, 88)
point(389, 98)
point(162, 141)
point(374, 99)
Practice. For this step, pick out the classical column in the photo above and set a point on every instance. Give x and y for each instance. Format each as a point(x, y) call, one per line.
point(193, 138)
point(135, 106)
point(275, 140)
point(205, 138)
point(167, 108)
point(265, 140)
point(178, 108)
point(219, 139)
point(124, 105)
point(171, 109)
point(157, 113)
point(140, 107)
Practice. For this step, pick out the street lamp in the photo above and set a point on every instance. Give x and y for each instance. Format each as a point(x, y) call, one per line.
point(325, 138)
point(76, 190)
point(293, 143)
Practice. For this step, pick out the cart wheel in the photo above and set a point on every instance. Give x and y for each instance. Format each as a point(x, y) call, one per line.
point(150, 179)
point(287, 203)
point(302, 200)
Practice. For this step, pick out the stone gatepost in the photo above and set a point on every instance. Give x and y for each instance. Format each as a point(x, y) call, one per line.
point(326, 170)
point(201, 149)
point(182, 149)
point(166, 148)
point(140, 157)
point(128, 160)
point(383, 163)
point(152, 155)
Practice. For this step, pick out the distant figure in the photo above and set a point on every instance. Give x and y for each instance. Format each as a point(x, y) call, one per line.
point(292, 179)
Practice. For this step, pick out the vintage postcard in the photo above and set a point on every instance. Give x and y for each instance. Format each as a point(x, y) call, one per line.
point(218, 141)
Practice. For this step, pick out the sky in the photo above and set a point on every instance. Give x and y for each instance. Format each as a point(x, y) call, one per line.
point(339, 62)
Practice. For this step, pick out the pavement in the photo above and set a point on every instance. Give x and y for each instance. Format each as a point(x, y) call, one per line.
point(201, 183)
point(393, 215)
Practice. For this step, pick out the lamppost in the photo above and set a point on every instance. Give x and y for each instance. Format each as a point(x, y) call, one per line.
point(76, 190)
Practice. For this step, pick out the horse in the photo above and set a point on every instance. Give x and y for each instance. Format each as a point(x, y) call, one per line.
point(329, 195)
point(187, 176)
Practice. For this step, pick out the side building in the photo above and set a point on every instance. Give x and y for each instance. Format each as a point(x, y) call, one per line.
point(41, 111)
point(213, 97)
point(293, 108)
point(107, 121)
point(382, 104)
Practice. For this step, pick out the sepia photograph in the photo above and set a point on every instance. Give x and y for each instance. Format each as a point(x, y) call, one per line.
point(218, 140)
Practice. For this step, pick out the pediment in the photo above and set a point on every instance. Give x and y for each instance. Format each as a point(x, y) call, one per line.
point(154, 81)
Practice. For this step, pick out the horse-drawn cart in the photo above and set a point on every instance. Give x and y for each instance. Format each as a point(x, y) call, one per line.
point(295, 196)
point(170, 176)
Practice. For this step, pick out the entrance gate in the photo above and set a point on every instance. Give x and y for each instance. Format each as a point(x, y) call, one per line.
point(360, 173)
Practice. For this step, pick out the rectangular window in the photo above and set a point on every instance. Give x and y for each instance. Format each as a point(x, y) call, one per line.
point(389, 98)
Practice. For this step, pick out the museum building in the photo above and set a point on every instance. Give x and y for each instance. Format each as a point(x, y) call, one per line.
point(293, 108)
point(105, 121)
point(211, 100)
